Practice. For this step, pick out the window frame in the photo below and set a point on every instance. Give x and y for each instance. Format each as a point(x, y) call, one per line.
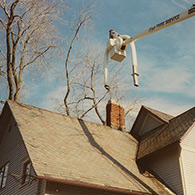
point(26, 170)
point(4, 175)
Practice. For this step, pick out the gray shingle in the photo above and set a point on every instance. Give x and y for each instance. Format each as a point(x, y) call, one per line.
point(167, 134)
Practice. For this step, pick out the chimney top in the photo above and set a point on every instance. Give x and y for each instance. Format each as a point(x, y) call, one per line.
point(115, 115)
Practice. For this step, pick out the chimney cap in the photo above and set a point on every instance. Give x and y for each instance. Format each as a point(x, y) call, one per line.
point(112, 101)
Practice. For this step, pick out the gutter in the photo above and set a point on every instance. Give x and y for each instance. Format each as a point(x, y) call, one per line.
point(94, 186)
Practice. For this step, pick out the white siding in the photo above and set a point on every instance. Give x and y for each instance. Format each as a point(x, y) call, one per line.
point(188, 161)
point(167, 167)
point(188, 140)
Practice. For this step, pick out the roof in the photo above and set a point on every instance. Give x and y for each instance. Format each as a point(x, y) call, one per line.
point(162, 117)
point(75, 150)
point(167, 134)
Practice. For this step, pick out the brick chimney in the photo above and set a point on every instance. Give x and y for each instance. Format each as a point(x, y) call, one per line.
point(115, 115)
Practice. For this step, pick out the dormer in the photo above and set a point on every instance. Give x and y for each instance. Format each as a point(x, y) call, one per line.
point(147, 120)
point(168, 150)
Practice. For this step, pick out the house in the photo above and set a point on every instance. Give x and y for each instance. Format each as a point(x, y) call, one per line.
point(42, 152)
point(167, 147)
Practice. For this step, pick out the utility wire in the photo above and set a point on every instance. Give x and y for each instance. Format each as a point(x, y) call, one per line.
point(178, 4)
point(188, 2)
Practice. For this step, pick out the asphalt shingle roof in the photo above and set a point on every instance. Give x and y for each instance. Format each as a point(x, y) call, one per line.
point(167, 134)
point(67, 148)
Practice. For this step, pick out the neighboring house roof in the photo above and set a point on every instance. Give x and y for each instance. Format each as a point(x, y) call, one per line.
point(70, 149)
point(167, 134)
point(162, 117)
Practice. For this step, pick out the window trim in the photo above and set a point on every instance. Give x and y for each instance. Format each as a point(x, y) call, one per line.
point(4, 175)
point(26, 170)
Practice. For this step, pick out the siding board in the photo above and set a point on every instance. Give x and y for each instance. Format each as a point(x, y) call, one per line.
point(13, 150)
point(167, 167)
point(188, 161)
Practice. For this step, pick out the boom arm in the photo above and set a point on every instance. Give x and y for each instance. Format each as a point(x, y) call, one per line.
point(175, 19)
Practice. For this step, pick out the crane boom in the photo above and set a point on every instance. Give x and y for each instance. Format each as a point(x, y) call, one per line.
point(173, 20)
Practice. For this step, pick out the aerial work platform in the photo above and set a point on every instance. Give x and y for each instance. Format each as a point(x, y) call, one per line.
point(117, 44)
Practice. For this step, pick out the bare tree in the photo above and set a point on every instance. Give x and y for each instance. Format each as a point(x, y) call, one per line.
point(91, 88)
point(86, 90)
point(84, 18)
point(29, 31)
point(80, 97)
point(83, 73)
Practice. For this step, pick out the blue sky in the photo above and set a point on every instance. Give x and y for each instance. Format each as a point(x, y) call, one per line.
point(166, 59)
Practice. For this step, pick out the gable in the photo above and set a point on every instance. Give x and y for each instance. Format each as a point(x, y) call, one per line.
point(13, 151)
point(150, 123)
point(147, 120)
point(5, 122)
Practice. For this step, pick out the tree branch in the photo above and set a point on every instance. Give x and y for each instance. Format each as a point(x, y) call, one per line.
point(3, 54)
point(67, 70)
point(94, 104)
point(3, 23)
point(40, 54)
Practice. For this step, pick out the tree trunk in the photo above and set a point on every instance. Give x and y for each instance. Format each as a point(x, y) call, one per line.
point(18, 87)
point(9, 73)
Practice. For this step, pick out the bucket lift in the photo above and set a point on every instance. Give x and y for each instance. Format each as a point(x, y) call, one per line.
point(117, 44)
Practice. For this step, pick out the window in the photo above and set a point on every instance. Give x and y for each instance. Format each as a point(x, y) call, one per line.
point(3, 175)
point(26, 172)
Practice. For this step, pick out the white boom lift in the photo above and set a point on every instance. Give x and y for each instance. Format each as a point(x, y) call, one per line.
point(117, 44)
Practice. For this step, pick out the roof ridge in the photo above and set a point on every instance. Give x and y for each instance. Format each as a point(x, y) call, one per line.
point(37, 108)
point(183, 113)
point(162, 115)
